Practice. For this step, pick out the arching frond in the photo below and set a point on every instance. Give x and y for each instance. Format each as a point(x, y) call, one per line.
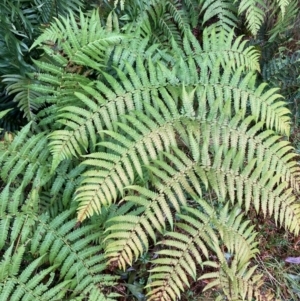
point(26, 155)
point(254, 11)
point(224, 10)
point(19, 86)
point(136, 121)
point(128, 150)
point(58, 249)
point(219, 44)
point(80, 41)
point(181, 252)
point(130, 232)
point(51, 8)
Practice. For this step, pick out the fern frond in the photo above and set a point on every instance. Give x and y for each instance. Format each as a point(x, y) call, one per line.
point(254, 11)
point(132, 148)
point(19, 86)
point(65, 182)
point(169, 276)
point(71, 248)
point(238, 283)
point(220, 44)
point(62, 252)
point(129, 233)
point(181, 253)
point(286, 21)
point(118, 100)
point(51, 8)
point(283, 5)
point(101, 107)
point(85, 43)
point(263, 105)
point(28, 159)
point(224, 10)
point(16, 284)
point(239, 175)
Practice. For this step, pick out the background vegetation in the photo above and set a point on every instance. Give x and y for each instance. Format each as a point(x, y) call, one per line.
point(149, 150)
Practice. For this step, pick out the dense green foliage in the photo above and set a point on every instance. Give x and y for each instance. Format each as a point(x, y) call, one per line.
point(152, 130)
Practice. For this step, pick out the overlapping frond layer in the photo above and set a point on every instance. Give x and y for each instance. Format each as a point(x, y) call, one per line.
point(57, 248)
point(188, 248)
point(219, 44)
point(87, 123)
point(162, 20)
point(224, 10)
point(24, 160)
point(70, 247)
point(27, 283)
point(215, 88)
point(136, 132)
point(106, 102)
point(96, 106)
point(231, 138)
point(226, 174)
point(248, 167)
point(84, 44)
point(128, 238)
point(135, 144)
point(255, 14)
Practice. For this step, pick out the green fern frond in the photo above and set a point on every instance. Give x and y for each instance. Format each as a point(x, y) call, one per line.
point(70, 247)
point(178, 14)
point(136, 121)
point(67, 143)
point(261, 180)
point(128, 237)
point(28, 159)
point(101, 106)
point(85, 43)
point(3, 113)
point(238, 284)
point(192, 8)
point(132, 148)
point(15, 223)
point(286, 21)
point(254, 11)
point(224, 10)
point(19, 86)
point(66, 180)
point(222, 44)
point(26, 284)
point(263, 105)
point(63, 252)
point(283, 5)
point(194, 241)
point(51, 8)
